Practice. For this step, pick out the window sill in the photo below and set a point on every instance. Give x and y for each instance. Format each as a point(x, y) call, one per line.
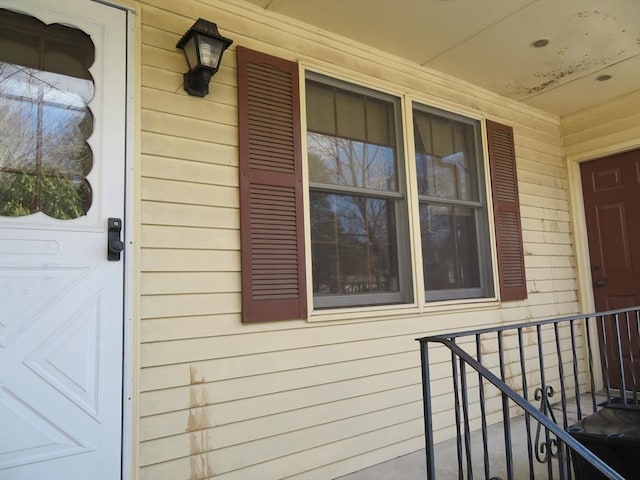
point(388, 312)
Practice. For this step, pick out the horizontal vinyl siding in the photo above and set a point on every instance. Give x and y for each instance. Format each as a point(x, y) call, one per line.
point(604, 129)
point(292, 399)
point(546, 225)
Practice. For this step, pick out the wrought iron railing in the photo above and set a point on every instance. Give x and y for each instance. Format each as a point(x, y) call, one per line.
point(513, 396)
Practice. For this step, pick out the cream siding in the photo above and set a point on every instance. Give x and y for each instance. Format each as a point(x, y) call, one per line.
point(603, 130)
point(294, 399)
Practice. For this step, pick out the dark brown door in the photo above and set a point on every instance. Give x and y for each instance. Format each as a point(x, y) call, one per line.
point(611, 189)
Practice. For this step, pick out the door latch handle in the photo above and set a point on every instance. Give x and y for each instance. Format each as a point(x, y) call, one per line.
point(114, 244)
point(599, 283)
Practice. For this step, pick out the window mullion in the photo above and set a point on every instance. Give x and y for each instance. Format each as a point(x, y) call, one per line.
point(341, 189)
point(447, 201)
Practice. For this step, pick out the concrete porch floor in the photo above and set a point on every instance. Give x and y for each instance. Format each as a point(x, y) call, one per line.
point(413, 465)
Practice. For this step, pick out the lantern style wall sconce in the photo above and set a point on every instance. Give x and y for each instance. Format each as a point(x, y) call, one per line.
point(203, 47)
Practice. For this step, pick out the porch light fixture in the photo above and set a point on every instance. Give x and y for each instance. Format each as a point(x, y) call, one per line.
point(203, 47)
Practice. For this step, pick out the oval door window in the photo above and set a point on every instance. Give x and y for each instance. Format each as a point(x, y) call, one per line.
point(45, 121)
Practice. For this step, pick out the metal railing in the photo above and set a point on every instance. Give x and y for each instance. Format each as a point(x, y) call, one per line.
point(504, 382)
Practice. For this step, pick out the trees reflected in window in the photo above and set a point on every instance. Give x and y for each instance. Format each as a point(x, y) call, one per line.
point(45, 87)
point(449, 247)
point(351, 163)
point(353, 244)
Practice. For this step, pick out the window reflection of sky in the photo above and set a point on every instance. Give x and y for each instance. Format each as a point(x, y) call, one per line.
point(44, 155)
point(64, 142)
point(340, 161)
point(445, 157)
point(445, 177)
point(58, 103)
point(42, 86)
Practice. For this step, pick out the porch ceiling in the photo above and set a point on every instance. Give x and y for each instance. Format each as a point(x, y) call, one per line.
point(488, 43)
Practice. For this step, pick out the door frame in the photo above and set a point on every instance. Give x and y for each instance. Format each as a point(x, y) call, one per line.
point(580, 238)
point(131, 235)
point(131, 288)
point(131, 285)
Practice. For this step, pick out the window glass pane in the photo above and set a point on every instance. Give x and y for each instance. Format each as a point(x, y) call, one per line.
point(449, 247)
point(350, 113)
point(467, 247)
point(45, 122)
point(64, 198)
point(422, 132)
point(64, 141)
point(320, 112)
point(26, 41)
point(380, 122)
point(20, 48)
point(17, 194)
point(18, 127)
point(340, 161)
point(442, 137)
point(451, 173)
point(464, 142)
point(358, 204)
point(353, 244)
point(72, 59)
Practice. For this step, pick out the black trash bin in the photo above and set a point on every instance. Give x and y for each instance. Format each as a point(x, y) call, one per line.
point(613, 434)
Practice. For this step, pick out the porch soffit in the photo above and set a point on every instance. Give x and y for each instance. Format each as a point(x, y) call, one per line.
point(488, 43)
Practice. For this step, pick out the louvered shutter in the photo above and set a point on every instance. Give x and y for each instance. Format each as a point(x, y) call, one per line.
point(273, 273)
point(506, 208)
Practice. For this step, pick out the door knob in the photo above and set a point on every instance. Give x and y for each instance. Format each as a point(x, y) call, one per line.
point(114, 244)
point(599, 283)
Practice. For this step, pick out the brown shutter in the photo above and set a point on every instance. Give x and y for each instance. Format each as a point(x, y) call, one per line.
point(506, 209)
point(273, 273)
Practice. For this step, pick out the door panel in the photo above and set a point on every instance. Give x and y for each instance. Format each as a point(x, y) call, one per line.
point(611, 189)
point(61, 177)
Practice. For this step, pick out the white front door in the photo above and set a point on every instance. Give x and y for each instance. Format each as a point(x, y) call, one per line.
point(62, 167)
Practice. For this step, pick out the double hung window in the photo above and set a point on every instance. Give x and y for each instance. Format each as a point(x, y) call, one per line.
point(452, 207)
point(359, 235)
point(358, 199)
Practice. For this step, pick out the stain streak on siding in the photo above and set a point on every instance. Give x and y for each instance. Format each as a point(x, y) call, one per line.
point(197, 427)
